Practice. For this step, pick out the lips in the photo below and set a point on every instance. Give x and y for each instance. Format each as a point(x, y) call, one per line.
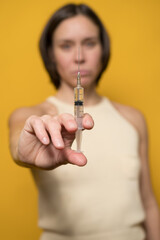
point(82, 72)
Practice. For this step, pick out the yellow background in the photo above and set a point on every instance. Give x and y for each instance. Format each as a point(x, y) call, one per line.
point(132, 78)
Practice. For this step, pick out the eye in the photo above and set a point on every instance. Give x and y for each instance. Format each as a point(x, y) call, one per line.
point(90, 43)
point(66, 46)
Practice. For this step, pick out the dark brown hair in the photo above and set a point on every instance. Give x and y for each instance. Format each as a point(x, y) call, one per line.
point(45, 43)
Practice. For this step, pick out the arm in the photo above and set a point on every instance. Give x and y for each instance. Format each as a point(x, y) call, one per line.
point(44, 140)
point(152, 222)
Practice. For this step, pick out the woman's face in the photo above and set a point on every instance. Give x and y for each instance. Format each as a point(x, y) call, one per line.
point(73, 35)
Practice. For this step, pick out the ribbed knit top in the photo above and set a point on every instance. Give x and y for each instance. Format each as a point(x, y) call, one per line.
point(102, 199)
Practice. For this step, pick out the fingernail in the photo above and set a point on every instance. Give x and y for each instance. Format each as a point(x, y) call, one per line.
point(72, 125)
point(89, 123)
point(45, 140)
point(59, 143)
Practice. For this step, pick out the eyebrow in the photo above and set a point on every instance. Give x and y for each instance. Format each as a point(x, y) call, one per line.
point(71, 41)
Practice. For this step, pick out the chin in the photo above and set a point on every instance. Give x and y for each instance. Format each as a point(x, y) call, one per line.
point(87, 82)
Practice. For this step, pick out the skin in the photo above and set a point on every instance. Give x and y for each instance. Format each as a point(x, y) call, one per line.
point(66, 43)
point(38, 133)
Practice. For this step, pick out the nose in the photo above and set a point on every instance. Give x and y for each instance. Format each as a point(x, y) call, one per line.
point(79, 56)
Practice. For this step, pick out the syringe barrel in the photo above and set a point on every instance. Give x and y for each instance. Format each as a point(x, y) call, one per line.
point(78, 105)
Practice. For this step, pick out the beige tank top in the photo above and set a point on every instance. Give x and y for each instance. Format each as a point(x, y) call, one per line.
point(102, 199)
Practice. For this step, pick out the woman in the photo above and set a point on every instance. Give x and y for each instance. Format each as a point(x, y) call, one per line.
point(111, 196)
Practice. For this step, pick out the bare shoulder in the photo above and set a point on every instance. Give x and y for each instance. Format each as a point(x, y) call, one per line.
point(134, 116)
point(23, 113)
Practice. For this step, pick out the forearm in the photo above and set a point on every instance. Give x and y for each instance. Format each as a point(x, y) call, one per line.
point(14, 148)
point(13, 143)
point(152, 222)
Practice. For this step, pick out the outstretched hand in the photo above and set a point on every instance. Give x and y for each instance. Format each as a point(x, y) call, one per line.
point(45, 142)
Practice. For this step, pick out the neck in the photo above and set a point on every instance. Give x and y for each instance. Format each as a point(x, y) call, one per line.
point(66, 93)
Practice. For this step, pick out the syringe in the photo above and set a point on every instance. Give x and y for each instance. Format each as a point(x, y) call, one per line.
point(78, 110)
